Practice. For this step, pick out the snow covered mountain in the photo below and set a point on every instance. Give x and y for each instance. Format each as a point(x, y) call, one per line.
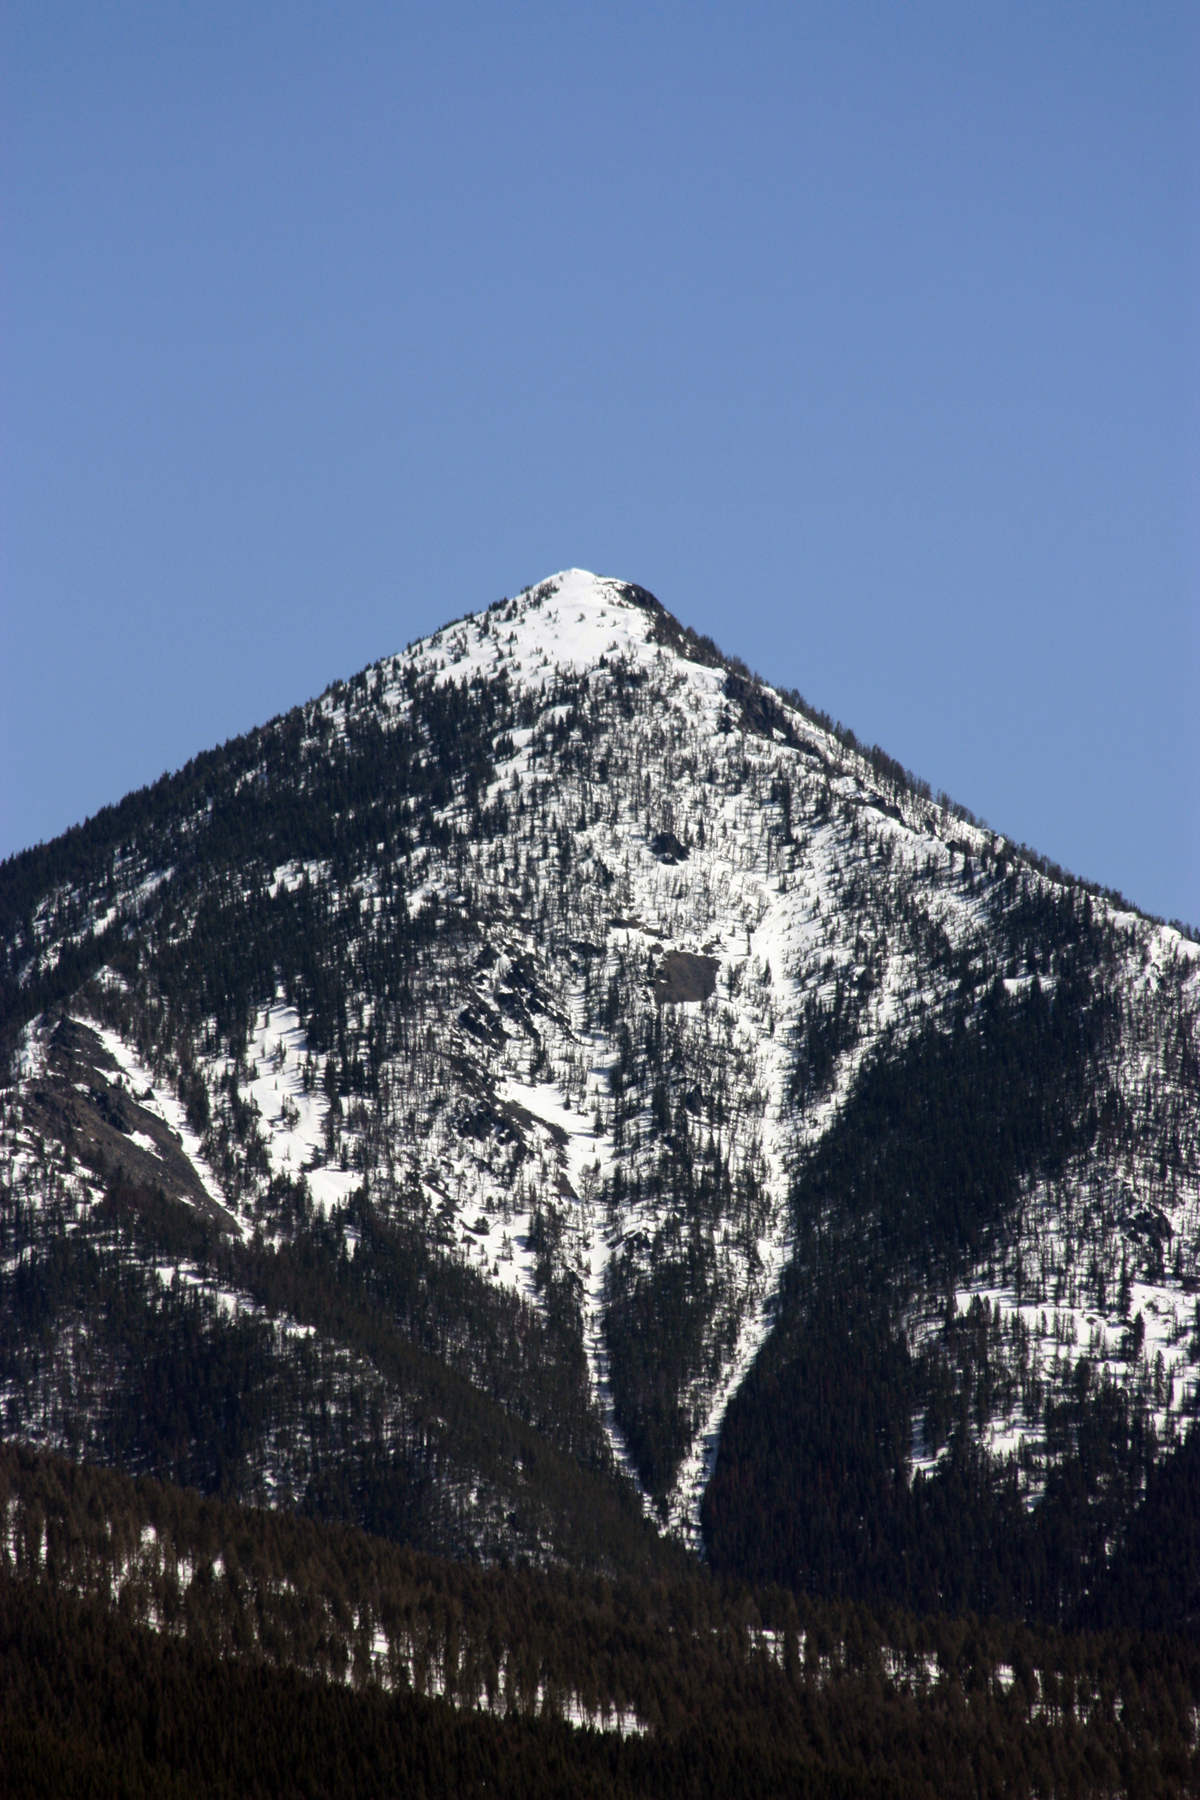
point(555, 1089)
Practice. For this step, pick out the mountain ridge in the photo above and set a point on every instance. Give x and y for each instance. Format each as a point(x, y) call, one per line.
point(566, 947)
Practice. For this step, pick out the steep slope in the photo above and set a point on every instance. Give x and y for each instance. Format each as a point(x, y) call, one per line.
point(561, 1005)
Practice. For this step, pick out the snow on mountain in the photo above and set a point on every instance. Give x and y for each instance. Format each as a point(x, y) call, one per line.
point(654, 935)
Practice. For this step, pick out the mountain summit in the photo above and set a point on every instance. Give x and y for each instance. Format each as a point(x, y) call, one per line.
point(555, 1097)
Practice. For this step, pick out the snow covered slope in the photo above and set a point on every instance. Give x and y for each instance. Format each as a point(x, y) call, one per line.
point(563, 943)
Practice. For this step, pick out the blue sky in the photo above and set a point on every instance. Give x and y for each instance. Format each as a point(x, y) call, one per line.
point(868, 337)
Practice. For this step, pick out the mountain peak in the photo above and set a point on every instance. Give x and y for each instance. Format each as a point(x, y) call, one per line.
point(563, 1003)
point(572, 620)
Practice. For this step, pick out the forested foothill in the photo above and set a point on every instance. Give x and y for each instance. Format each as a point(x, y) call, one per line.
point(559, 1104)
point(154, 1641)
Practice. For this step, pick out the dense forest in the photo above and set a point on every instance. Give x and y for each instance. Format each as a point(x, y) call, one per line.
point(156, 1642)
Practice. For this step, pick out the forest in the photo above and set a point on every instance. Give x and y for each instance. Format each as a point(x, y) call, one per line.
point(153, 1641)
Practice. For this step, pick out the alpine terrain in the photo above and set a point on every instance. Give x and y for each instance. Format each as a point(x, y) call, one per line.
point(559, 1103)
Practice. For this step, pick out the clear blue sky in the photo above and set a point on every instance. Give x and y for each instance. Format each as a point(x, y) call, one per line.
point(868, 337)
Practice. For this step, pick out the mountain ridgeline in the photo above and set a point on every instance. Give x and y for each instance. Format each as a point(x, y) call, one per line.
point(555, 1101)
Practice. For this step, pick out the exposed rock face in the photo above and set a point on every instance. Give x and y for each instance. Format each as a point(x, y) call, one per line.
point(81, 1099)
point(683, 977)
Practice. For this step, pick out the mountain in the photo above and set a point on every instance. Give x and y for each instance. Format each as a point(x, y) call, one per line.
point(556, 1099)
